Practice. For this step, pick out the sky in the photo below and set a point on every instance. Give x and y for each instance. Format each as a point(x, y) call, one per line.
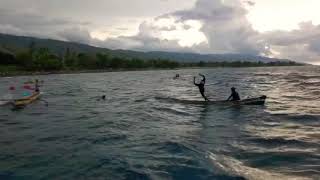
point(275, 28)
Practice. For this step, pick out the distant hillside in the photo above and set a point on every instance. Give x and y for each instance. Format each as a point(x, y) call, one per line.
point(15, 43)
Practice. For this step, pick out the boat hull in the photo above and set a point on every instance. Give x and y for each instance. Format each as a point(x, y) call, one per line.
point(25, 101)
point(251, 101)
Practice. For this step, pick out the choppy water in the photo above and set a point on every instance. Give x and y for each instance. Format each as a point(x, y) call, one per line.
point(140, 132)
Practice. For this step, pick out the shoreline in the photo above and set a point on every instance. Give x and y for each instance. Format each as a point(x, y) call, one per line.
point(37, 73)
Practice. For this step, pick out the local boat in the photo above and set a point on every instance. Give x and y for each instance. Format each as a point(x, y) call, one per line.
point(250, 101)
point(27, 100)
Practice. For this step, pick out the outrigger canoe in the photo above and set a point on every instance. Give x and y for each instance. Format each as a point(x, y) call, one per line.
point(27, 100)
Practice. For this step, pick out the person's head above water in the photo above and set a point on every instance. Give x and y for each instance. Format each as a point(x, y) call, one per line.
point(103, 97)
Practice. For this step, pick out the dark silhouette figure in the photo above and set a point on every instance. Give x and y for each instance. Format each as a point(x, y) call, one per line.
point(177, 76)
point(234, 95)
point(101, 98)
point(37, 86)
point(201, 86)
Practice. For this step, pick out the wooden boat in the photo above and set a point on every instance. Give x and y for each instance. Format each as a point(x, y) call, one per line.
point(250, 101)
point(27, 100)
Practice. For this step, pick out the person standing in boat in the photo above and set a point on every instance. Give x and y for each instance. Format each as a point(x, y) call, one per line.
point(234, 95)
point(36, 86)
point(201, 86)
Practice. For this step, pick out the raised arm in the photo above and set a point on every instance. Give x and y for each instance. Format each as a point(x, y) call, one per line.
point(203, 77)
point(194, 81)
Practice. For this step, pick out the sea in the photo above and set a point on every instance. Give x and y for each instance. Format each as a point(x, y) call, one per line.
point(145, 129)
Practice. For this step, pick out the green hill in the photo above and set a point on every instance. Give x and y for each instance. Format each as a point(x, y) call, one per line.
point(16, 43)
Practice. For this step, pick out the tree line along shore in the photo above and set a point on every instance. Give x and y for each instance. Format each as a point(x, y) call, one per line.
point(41, 60)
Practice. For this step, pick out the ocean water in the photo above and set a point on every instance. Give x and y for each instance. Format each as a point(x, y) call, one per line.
point(143, 131)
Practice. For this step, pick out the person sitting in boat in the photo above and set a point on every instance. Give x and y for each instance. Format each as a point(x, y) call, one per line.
point(234, 95)
point(201, 86)
point(37, 86)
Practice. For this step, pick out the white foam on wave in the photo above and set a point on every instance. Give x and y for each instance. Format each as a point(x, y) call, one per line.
point(237, 168)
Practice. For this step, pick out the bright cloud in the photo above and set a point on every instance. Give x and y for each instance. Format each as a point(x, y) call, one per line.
point(269, 15)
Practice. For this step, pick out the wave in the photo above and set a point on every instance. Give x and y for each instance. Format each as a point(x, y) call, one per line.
point(300, 76)
point(235, 167)
point(317, 83)
point(173, 111)
point(296, 97)
point(112, 138)
point(268, 74)
point(300, 118)
point(181, 101)
point(183, 161)
point(174, 147)
point(277, 141)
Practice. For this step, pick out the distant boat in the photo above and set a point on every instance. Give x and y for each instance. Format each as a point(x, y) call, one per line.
point(27, 100)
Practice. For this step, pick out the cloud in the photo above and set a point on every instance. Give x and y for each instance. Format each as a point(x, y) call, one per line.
point(122, 29)
point(250, 3)
point(145, 40)
point(186, 27)
point(225, 26)
point(76, 34)
point(33, 24)
point(302, 44)
point(227, 29)
point(9, 29)
point(170, 28)
point(221, 27)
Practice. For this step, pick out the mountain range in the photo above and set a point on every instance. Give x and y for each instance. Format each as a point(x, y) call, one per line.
point(16, 43)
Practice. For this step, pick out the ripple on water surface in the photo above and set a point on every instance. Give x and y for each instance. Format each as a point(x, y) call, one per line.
point(148, 127)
